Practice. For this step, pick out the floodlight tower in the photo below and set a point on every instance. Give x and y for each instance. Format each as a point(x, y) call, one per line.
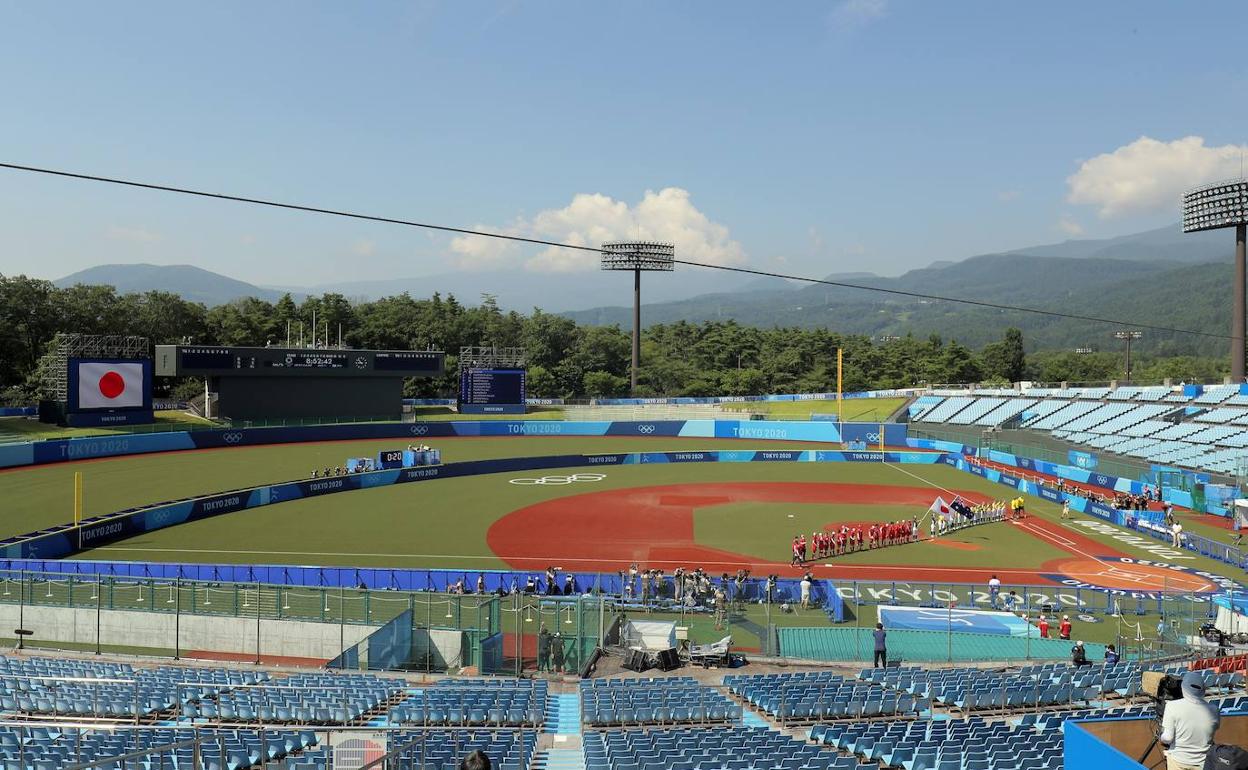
point(1213, 207)
point(1128, 336)
point(638, 256)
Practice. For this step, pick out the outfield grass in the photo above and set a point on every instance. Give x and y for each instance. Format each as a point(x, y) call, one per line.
point(42, 496)
point(30, 429)
point(855, 409)
point(444, 523)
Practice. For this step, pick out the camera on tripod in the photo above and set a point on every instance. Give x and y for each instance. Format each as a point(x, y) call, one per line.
point(1160, 686)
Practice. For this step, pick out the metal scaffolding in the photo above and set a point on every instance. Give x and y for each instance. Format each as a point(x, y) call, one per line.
point(55, 371)
point(480, 357)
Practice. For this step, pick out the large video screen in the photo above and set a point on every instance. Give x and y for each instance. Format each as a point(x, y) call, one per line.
point(109, 385)
point(486, 387)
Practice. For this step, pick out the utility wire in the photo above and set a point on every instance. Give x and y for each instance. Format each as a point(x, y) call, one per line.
point(576, 247)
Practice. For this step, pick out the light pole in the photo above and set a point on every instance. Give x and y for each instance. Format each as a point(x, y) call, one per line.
point(638, 257)
point(1128, 336)
point(1214, 207)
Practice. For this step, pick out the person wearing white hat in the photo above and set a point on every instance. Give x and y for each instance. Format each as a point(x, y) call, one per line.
point(1079, 656)
point(1064, 628)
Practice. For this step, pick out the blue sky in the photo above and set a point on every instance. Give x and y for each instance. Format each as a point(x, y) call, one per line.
point(812, 137)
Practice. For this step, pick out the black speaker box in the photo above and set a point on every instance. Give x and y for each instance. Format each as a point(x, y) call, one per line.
point(668, 661)
point(636, 661)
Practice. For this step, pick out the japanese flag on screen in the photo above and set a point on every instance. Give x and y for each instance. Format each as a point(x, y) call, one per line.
point(103, 385)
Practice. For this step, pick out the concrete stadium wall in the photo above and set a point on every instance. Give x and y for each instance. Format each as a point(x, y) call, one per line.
point(208, 633)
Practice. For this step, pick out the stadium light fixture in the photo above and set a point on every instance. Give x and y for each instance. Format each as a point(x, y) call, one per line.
point(1128, 336)
point(639, 257)
point(1214, 207)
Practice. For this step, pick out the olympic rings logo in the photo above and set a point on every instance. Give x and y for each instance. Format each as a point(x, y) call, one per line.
point(232, 438)
point(647, 429)
point(874, 438)
point(419, 430)
point(558, 481)
point(1102, 481)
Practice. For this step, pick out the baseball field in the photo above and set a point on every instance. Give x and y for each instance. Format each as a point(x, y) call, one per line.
point(718, 516)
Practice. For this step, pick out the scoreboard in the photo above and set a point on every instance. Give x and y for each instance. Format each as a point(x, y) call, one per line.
point(301, 383)
point(203, 361)
point(492, 391)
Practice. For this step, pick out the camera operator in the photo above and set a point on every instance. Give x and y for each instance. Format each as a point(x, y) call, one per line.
point(1188, 725)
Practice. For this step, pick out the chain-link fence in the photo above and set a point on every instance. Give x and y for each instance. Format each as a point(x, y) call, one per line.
point(251, 622)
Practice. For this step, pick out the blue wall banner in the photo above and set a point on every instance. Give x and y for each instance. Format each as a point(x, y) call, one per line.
point(1085, 460)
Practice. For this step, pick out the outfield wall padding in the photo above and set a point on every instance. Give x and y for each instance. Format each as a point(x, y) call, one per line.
point(67, 450)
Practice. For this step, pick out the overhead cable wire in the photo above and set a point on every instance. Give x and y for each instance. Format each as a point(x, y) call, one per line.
point(577, 247)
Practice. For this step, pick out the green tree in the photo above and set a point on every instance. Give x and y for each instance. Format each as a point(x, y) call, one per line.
point(598, 384)
point(1005, 360)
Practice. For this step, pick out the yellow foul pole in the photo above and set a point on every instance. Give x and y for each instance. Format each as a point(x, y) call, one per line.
point(840, 416)
point(77, 498)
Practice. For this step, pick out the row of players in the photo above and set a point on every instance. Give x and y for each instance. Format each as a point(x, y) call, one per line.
point(861, 537)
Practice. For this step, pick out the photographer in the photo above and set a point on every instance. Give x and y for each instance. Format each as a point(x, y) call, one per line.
point(1188, 725)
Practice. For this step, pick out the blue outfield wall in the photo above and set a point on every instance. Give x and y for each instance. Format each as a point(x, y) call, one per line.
point(65, 450)
point(57, 542)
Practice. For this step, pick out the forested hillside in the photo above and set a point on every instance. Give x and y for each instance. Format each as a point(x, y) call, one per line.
point(567, 359)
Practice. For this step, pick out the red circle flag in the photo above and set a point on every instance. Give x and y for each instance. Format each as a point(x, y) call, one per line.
point(112, 385)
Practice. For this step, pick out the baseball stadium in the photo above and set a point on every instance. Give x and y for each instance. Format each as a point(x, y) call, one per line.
point(497, 561)
point(827, 499)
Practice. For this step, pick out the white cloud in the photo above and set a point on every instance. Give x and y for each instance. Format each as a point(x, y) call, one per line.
point(131, 234)
point(1148, 174)
point(1070, 227)
point(850, 15)
point(592, 219)
point(364, 247)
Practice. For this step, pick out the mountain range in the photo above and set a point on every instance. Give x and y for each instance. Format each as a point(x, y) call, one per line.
point(1159, 278)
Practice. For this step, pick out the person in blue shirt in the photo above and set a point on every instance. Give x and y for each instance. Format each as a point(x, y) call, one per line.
point(881, 647)
point(1111, 655)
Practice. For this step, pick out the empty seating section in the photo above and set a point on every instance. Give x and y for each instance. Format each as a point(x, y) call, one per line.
point(443, 749)
point(946, 409)
point(923, 404)
point(1102, 413)
point(731, 749)
point(1203, 434)
point(337, 699)
point(1216, 395)
point(106, 690)
point(49, 748)
point(1042, 409)
point(1133, 416)
point(974, 689)
point(976, 410)
point(821, 695)
point(1061, 417)
point(1146, 428)
point(970, 744)
point(654, 701)
point(1007, 410)
point(1221, 415)
point(505, 702)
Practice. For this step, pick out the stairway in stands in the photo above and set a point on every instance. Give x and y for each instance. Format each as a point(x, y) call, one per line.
point(563, 728)
point(563, 713)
